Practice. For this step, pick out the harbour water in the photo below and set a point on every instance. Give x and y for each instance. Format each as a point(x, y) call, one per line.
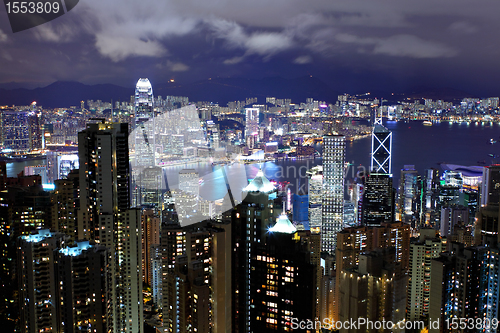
point(413, 144)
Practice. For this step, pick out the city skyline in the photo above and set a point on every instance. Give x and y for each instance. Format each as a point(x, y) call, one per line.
point(388, 45)
point(242, 167)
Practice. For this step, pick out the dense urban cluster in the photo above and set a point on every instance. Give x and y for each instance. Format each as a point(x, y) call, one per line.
point(111, 233)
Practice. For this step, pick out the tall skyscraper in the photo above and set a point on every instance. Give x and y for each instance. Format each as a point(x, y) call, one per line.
point(283, 284)
point(65, 288)
point(488, 222)
point(146, 177)
point(333, 190)
point(422, 250)
point(490, 191)
point(378, 200)
point(381, 150)
point(375, 290)
point(315, 189)
point(150, 224)
point(378, 192)
point(252, 122)
point(250, 223)
point(410, 188)
point(144, 144)
point(83, 288)
point(464, 284)
point(106, 218)
point(36, 276)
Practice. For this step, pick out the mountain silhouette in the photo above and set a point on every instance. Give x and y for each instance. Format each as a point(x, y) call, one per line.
point(66, 94)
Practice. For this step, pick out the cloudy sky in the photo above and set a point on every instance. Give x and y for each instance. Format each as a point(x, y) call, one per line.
point(352, 45)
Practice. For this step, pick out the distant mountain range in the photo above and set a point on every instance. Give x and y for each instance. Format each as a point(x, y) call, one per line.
point(220, 90)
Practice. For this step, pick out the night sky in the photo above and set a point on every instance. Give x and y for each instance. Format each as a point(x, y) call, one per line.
point(352, 45)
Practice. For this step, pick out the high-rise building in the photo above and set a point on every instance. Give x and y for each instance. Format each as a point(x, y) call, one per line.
point(409, 196)
point(65, 288)
point(315, 189)
point(150, 224)
point(144, 145)
point(189, 181)
point(490, 191)
point(83, 288)
point(196, 277)
point(106, 218)
point(251, 221)
point(300, 204)
point(375, 290)
point(422, 250)
point(430, 191)
point(173, 244)
point(67, 201)
point(333, 190)
point(452, 216)
point(283, 280)
point(487, 224)
point(464, 284)
point(354, 241)
point(21, 130)
point(488, 217)
point(213, 134)
point(36, 276)
point(252, 122)
point(378, 200)
point(381, 150)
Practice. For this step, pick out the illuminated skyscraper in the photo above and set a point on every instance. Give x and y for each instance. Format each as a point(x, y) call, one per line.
point(378, 200)
point(410, 188)
point(381, 150)
point(252, 122)
point(490, 192)
point(144, 119)
point(35, 272)
point(251, 221)
point(315, 186)
point(422, 251)
point(21, 130)
point(333, 190)
point(283, 284)
point(464, 284)
point(105, 215)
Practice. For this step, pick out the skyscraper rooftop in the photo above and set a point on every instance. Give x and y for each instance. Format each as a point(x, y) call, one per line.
point(260, 184)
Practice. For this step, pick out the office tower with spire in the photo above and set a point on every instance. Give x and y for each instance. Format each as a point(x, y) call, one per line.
point(144, 124)
point(105, 216)
point(146, 176)
point(333, 190)
point(378, 192)
point(381, 155)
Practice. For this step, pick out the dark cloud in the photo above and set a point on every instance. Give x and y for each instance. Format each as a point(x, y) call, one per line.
point(353, 42)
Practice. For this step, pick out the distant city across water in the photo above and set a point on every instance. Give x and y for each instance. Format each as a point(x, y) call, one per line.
point(413, 144)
